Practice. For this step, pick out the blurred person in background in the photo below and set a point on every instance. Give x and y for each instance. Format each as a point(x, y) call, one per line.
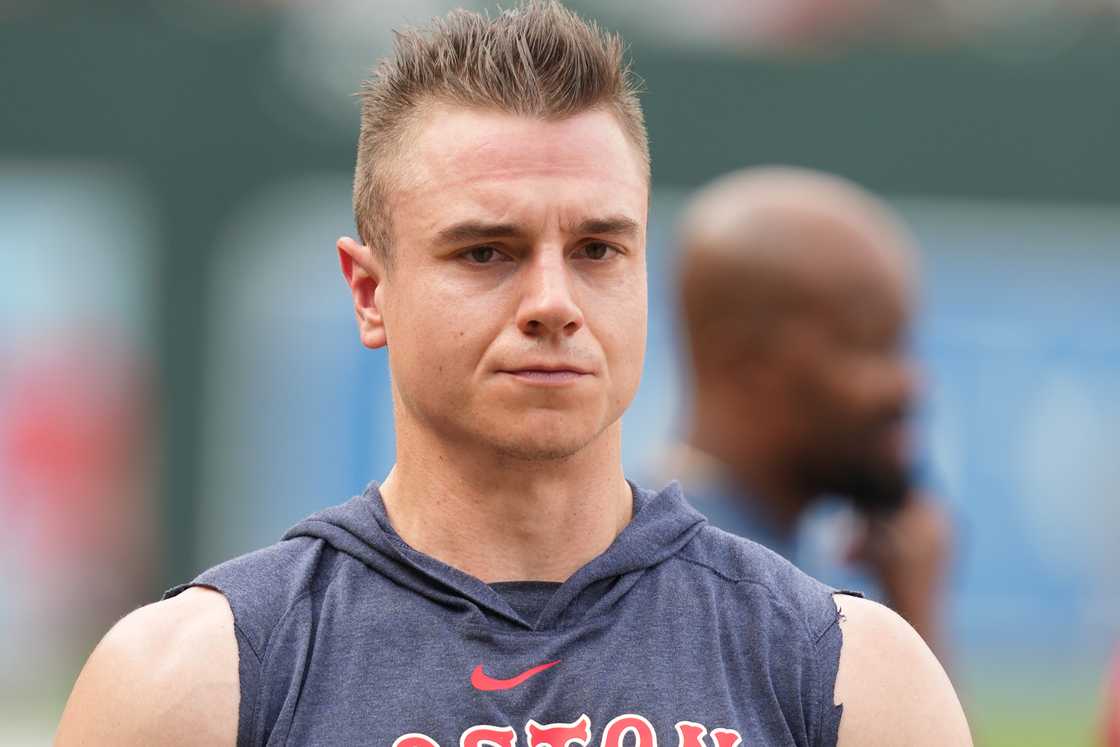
point(506, 572)
point(797, 291)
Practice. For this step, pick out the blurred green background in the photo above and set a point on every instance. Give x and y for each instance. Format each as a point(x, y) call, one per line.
point(178, 378)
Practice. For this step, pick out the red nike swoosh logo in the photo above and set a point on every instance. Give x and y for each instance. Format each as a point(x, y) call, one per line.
point(483, 681)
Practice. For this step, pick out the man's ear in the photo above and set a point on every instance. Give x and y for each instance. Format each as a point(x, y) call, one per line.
point(364, 273)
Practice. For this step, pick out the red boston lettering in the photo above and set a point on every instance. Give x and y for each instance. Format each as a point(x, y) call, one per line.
point(414, 740)
point(627, 730)
point(617, 729)
point(691, 734)
point(559, 735)
point(726, 737)
point(488, 736)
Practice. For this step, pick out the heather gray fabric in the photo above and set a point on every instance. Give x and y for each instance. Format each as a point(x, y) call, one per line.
point(348, 636)
point(528, 598)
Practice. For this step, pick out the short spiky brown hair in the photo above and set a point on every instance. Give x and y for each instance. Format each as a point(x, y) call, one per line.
point(536, 60)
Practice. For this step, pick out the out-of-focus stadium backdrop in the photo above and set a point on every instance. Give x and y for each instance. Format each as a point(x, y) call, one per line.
point(179, 374)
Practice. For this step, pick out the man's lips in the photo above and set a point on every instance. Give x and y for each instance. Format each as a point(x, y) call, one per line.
point(547, 374)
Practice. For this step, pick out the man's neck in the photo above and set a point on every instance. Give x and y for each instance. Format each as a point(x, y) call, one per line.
point(504, 519)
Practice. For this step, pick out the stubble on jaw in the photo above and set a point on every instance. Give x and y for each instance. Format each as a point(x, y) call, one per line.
point(515, 452)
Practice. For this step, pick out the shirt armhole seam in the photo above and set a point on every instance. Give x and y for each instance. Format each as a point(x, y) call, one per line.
point(828, 699)
point(254, 728)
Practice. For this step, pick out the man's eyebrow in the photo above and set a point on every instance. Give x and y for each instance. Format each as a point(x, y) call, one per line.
point(468, 231)
point(613, 225)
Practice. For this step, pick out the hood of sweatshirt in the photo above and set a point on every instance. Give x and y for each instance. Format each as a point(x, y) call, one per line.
point(662, 524)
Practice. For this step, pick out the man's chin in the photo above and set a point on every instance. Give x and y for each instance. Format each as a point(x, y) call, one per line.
point(537, 452)
point(544, 439)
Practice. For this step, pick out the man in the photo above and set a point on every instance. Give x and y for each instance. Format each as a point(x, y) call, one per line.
point(505, 578)
point(797, 292)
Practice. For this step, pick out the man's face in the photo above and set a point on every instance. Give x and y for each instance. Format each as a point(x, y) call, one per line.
point(851, 378)
point(514, 304)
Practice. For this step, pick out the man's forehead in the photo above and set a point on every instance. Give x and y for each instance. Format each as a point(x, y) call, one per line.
point(468, 166)
point(451, 145)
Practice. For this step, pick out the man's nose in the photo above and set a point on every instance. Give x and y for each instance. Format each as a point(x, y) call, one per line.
point(548, 305)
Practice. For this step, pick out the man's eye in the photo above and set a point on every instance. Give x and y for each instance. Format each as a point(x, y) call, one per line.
point(481, 254)
point(597, 250)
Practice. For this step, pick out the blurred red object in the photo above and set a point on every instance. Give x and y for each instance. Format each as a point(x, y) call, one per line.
point(1112, 705)
point(72, 414)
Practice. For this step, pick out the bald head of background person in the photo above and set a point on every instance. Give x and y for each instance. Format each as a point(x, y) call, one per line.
point(798, 290)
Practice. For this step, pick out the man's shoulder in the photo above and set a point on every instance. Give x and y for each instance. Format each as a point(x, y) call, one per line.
point(743, 560)
point(762, 573)
point(280, 573)
point(166, 673)
point(262, 586)
point(282, 566)
point(892, 688)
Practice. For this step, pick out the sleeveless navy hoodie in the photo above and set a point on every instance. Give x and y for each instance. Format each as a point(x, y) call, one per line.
point(679, 635)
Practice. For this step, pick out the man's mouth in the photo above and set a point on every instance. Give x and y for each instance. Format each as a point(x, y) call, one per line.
point(547, 373)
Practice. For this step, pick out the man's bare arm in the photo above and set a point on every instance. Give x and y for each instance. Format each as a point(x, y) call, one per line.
point(892, 687)
point(165, 674)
